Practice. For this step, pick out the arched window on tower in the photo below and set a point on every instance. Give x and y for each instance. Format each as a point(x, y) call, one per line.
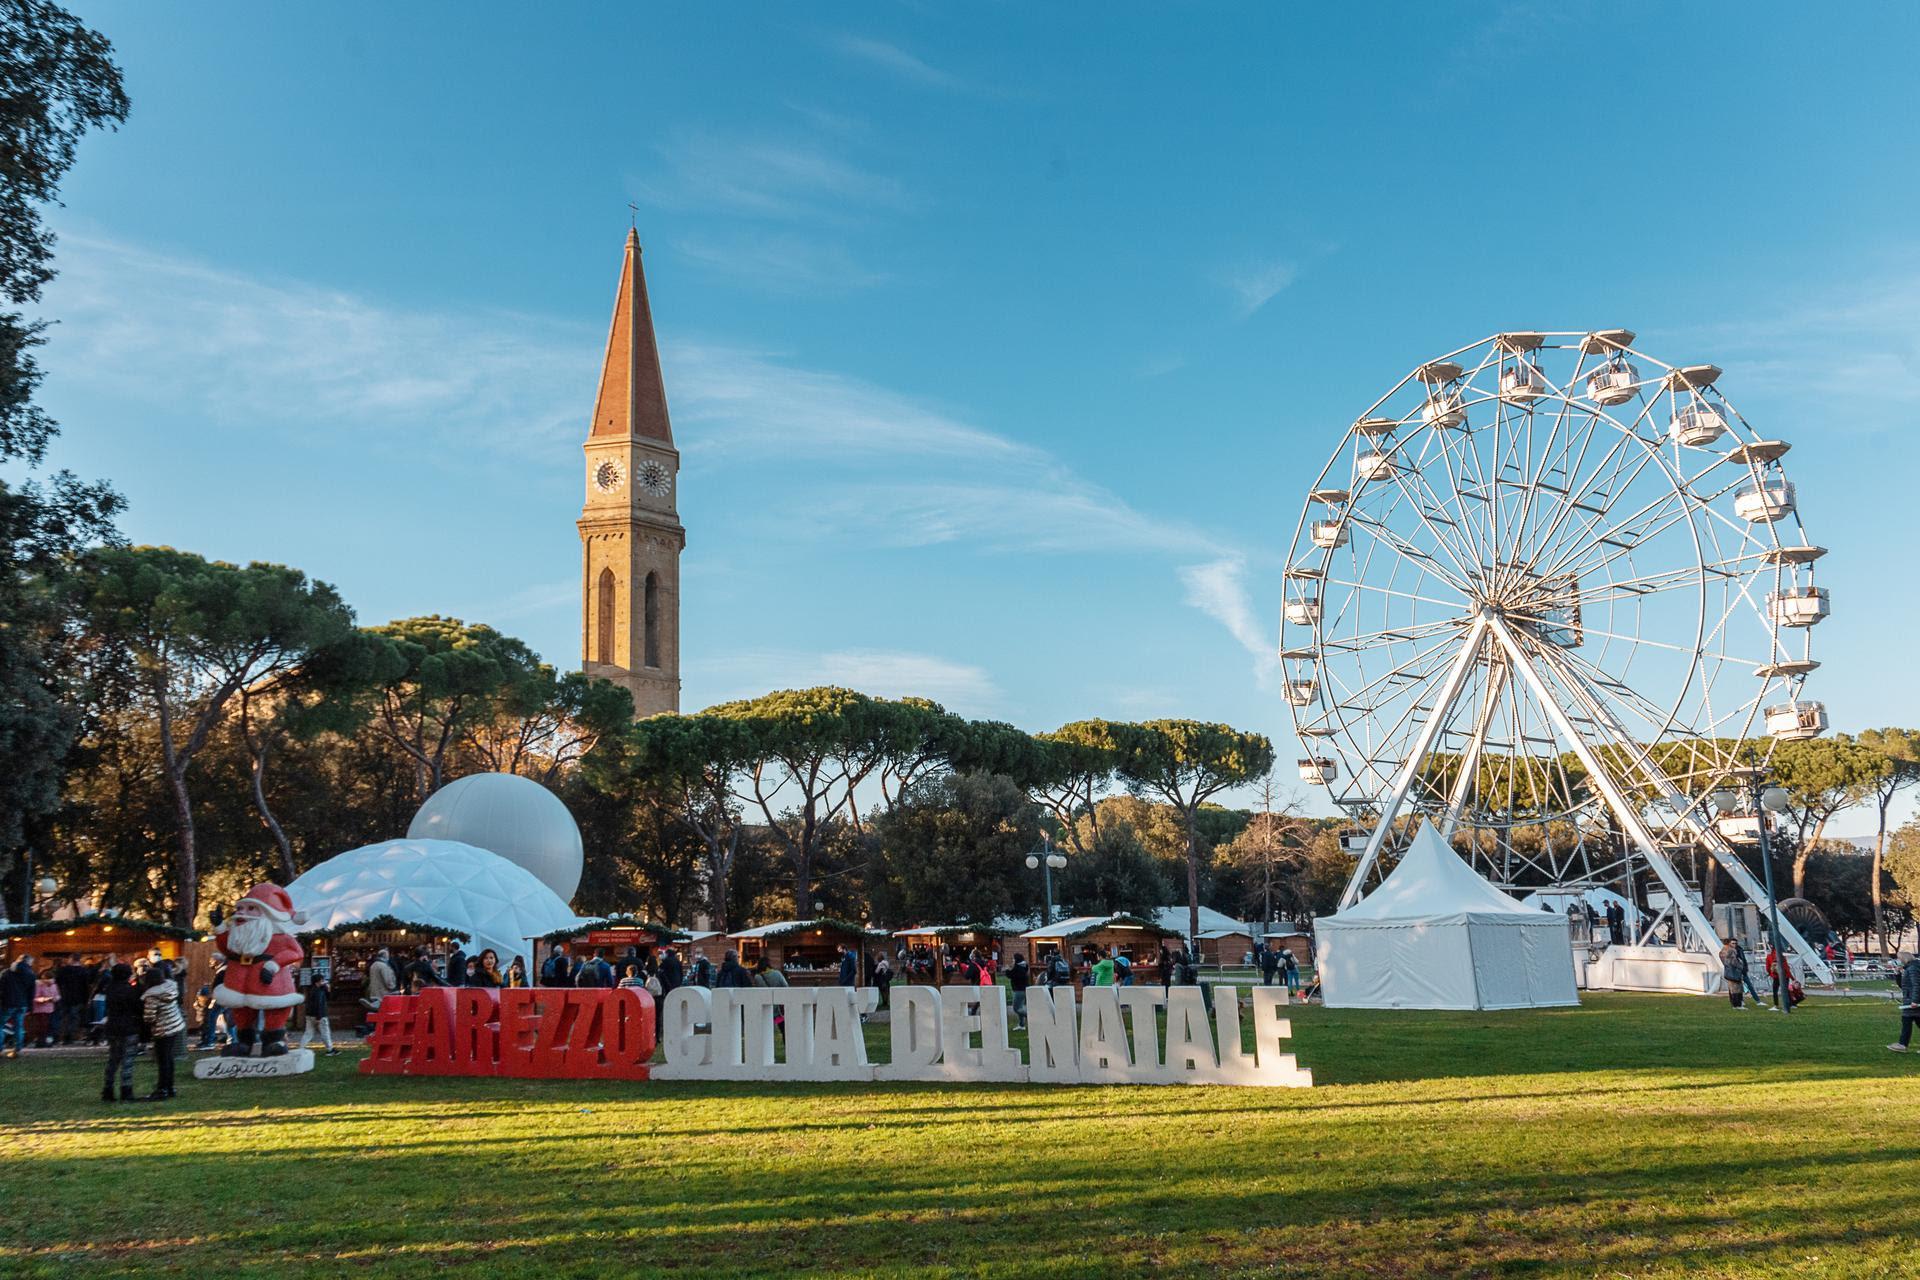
point(604, 615)
point(652, 612)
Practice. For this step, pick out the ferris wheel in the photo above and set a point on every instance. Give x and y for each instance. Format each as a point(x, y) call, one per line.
point(1550, 591)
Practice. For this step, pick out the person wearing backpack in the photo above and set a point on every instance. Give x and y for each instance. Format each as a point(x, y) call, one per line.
point(1018, 977)
point(1908, 978)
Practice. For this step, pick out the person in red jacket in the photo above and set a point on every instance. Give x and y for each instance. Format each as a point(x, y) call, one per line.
point(262, 959)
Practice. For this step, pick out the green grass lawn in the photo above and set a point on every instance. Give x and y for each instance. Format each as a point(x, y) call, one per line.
point(1636, 1135)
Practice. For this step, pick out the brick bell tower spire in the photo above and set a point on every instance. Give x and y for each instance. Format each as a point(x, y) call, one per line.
point(630, 531)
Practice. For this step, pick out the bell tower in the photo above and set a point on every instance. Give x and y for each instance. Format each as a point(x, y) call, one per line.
point(630, 531)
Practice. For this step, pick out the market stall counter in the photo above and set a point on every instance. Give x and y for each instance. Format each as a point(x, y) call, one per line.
point(1083, 938)
point(808, 951)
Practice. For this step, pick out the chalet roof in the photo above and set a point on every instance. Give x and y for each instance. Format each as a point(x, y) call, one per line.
point(782, 928)
point(1078, 926)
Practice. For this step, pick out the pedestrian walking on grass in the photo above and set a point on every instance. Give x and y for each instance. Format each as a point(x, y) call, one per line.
point(1270, 965)
point(126, 1015)
point(849, 968)
point(160, 1004)
point(1908, 978)
point(1743, 966)
point(319, 996)
point(1018, 978)
point(1732, 965)
point(16, 1000)
point(1290, 966)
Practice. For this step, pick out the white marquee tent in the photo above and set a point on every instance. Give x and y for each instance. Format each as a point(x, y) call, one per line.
point(444, 883)
point(1435, 935)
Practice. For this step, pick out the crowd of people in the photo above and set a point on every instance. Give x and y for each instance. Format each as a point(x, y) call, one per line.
point(129, 1006)
point(141, 1006)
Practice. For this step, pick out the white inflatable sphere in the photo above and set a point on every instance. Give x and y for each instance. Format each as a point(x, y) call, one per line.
point(512, 816)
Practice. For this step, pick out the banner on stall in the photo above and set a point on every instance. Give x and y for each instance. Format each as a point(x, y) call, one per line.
point(1110, 1035)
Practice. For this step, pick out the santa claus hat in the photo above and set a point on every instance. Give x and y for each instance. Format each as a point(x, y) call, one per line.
point(276, 902)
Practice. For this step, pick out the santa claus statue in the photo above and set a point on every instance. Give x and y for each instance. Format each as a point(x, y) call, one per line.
point(262, 958)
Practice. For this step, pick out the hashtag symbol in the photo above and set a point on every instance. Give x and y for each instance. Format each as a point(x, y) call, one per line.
point(391, 1039)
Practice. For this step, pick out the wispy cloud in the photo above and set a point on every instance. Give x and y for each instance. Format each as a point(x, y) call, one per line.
point(1257, 282)
point(1166, 362)
point(789, 179)
point(1219, 590)
point(287, 355)
point(958, 686)
point(779, 262)
point(291, 357)
point(750, 402)
point(1041, 510)
point(907, 66)
point(290, 360)
point(1854, 343)
point(539, 598)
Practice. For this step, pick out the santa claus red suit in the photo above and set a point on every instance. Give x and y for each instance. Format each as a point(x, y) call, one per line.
point(262, 958)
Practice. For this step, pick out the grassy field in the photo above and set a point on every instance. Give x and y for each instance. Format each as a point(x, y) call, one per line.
point(1636, 1135)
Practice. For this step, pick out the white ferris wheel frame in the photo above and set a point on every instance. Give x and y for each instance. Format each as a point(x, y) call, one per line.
point(1543, 575)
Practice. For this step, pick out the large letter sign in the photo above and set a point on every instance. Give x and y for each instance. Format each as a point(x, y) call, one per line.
point(1111, 1035)
point(545, 1032)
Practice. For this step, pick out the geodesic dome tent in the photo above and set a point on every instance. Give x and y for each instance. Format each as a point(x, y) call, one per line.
point(443, 883)
point(512, 816)
point(1435, 935)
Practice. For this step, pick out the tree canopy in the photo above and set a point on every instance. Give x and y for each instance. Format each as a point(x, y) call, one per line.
point(199, 631)
point(58, 82)
point(1185, 763)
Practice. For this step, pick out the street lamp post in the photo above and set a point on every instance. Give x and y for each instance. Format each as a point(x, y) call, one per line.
point(1762, 799)
point(1046, 861)
point(45, 887)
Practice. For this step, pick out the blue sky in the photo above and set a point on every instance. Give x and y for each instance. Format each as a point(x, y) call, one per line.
point(1001, 341)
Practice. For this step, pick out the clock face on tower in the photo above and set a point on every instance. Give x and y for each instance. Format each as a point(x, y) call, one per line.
point(607, 476)
point(655, 478)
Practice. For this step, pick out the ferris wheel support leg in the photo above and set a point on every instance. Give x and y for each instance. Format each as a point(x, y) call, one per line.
point(1715, 843)
point(1610, 789)
point(1470, 760)
point(1410, 768)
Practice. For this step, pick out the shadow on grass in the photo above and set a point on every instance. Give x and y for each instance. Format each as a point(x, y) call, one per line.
point(747, 1208)
point(1634, 1135)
